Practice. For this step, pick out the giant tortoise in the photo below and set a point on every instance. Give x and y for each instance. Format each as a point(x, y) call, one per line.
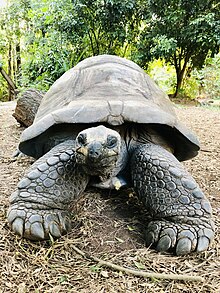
point(106, 123)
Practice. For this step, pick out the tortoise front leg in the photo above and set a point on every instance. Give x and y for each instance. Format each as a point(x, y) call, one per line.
point(181, 213)
point(42, 203)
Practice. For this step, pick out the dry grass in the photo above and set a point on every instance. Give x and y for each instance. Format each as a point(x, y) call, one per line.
point(109, 226)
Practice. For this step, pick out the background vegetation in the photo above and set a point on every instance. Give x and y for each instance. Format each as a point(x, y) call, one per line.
point(176, 41)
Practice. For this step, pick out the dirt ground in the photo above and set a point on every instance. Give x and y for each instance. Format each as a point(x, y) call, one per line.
point(109, 226)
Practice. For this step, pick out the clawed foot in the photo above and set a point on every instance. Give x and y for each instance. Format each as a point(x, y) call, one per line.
point(38, 224)
point(183, 238)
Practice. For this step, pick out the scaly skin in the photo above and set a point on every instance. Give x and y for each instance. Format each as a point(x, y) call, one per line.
point(42, 204)
point(181, 214)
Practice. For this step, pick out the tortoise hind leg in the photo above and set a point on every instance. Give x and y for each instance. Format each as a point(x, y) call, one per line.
point(41, 206)
point(181, 214)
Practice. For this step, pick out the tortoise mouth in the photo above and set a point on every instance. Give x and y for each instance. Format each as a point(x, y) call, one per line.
point(97, 164)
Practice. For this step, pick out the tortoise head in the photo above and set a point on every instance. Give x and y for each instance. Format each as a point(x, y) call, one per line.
point(97, 151)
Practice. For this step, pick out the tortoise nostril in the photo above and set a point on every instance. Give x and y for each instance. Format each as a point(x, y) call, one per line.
point(95, 150)
point(94, 153)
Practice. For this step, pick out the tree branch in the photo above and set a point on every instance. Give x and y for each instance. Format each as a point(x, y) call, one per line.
point(7, 78)
point(137, 272)
point(91, 43)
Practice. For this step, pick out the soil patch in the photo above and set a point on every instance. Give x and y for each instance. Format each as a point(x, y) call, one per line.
point(108, 225)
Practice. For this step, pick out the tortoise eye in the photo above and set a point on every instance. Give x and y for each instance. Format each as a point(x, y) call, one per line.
point(82, 139)
point(111, 141)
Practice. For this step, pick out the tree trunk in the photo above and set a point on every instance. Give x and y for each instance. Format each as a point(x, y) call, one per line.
point(18, 56)
point(17, 62)
point(27, 106)
point(179, 80)
point(180, 71)
point(10, 91)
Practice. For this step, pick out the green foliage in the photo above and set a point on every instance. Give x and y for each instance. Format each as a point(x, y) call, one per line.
point(201, 83)
point(3, 89)
point(204, 83)
point(163, 75)
point(3, 51)
point(47, 55)
point(209, 78)
point(49, 37)
point(46, 61)
point(181, 32)
point(55, 35)
point(100, 27)
point(191, 87)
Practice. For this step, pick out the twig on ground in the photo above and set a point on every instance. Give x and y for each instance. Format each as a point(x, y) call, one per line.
point(144, 274)
point(206, 151)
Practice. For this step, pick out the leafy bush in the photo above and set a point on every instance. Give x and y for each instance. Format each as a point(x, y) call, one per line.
point(163, 75)
point(203, 83)
point(209, 78)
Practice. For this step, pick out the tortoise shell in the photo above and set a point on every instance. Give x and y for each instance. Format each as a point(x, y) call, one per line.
point(113, 90)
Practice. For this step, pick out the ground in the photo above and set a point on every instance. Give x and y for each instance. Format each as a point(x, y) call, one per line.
point(109, 226)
